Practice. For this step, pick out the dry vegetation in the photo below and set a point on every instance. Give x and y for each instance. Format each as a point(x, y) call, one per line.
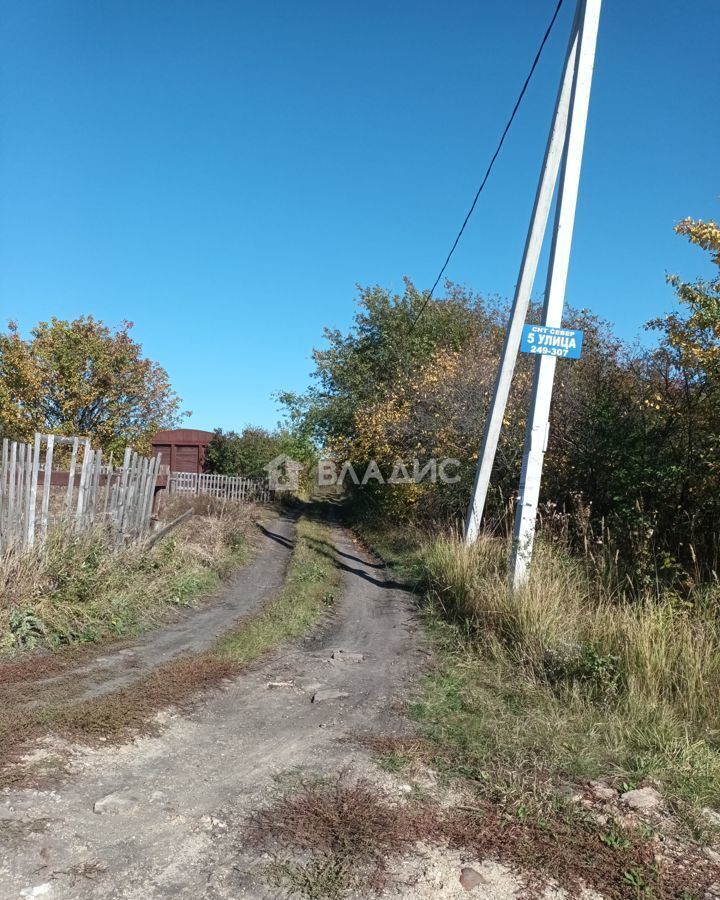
point(79, 588)
point(658, 653)
point(330, 837)
point(572, 678)
point(341, 837)
point(310, 587)
point(573, 675)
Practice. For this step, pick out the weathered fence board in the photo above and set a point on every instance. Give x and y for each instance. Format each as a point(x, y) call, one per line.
point(226, 487)
point(121, 498)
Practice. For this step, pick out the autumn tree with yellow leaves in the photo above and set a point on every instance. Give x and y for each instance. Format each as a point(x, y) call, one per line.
point(83, 378)
point(687, 400)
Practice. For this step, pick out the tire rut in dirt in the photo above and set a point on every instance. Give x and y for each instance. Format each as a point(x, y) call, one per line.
point(194, 631)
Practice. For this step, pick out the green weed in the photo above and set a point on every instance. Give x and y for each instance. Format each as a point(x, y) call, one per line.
point(79, 588)
point(560, 678)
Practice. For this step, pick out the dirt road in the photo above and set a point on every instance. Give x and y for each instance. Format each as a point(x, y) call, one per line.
point(192, 632)
point(162, 816)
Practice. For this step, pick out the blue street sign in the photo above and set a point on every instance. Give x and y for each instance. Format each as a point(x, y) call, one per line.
point(546, 341)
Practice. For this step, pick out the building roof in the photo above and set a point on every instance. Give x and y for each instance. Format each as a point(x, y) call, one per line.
point(183, 436)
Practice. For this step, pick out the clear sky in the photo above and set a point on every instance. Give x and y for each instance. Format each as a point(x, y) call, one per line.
point(224, 172)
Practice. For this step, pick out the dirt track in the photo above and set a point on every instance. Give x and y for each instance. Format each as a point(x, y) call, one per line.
point(194, 631)
point(172, 820)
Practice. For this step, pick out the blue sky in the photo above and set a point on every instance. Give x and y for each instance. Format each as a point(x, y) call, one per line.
point(223, 173)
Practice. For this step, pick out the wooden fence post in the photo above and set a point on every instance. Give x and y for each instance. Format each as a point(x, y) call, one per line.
point(71, 477)
point(3, 489)
point(121, 492)
point(47, 478)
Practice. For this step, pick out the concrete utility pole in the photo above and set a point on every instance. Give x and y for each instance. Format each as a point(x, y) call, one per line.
point(564, 148)
point(536, 435)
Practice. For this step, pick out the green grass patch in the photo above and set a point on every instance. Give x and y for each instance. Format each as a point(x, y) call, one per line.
point(311, 585)
point(400, 548)
point(560, 682)
point(493, 721)
point(79, 588)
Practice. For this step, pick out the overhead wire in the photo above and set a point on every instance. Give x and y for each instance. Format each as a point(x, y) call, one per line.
point(495, 155)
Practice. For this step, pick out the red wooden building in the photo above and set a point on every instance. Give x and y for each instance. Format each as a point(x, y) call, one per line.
point(183, 449)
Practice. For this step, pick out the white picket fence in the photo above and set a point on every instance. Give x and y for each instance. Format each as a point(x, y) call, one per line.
point(35, 496)
point(227, 487)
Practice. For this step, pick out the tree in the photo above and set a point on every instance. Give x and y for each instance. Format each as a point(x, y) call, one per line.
point(634, 440)
point(387, 343)
point(694, 340)
point(688, 401)
point(223, 456)
point(83, 378)
point(230, 453)
point(409, 380)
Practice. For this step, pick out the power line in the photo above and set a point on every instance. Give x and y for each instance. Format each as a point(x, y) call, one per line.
point(519, 100)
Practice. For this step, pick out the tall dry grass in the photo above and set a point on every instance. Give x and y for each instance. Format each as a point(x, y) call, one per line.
point(649, 652)
point(598, 683)
point(83, 588)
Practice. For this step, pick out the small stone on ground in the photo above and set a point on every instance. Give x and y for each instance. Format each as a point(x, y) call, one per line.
point(712, 817)
point(346, 656)
point(120, 802)
point(39, 890)
point(602, 791)
point(470, 878)
point(328, 694)
point(642, 798)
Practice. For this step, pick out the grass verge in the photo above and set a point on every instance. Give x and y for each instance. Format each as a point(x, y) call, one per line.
point(79, 588)
point(401, 548)
point(310, 587)
point(559, 679)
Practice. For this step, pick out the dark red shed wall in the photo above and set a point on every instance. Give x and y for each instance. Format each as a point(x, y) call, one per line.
point(183, 449)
